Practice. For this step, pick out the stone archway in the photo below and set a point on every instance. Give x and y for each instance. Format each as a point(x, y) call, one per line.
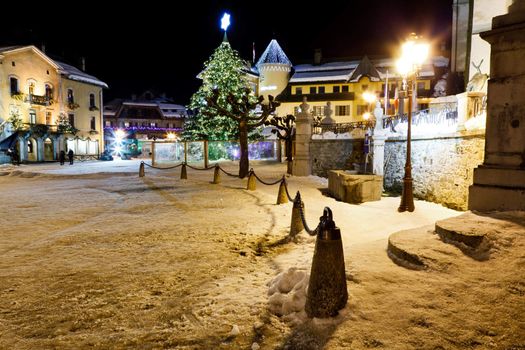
point(49, 150)
point(32, 150)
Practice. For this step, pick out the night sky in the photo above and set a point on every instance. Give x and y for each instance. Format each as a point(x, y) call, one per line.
point(152, 47)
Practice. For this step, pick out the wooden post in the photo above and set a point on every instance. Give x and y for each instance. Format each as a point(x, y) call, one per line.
point(206, 153)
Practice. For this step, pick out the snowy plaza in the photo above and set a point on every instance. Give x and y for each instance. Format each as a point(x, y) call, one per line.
point(95, 257)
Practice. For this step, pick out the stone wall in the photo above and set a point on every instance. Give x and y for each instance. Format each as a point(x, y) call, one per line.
point(335, 154)
point(442, 167)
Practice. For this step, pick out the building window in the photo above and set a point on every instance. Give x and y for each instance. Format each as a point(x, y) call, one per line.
point(318, 111)
point(13, 82)
point(126, 124)
point(421, 85)
point(344, 88)
point(49, 92)
point(29, 146)
point(364, 87)
point(70, 96)
point(93, 123)
point(91, 100)
point(32, 117)
point(49, 119)
point(13, 63)
point(31, 88)
point(337, 89)
point(71, 118)
point(321, 89)
point(298, 91)
point(362, 109)
point(313, 89)
point(108, 123)
point(342, 110)
point(153, 125)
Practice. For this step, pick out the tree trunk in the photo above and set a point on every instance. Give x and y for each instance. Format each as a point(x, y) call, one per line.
point(244, 162)
point(289, 157)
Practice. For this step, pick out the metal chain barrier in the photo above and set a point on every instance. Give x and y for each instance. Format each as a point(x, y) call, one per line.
point(227, 173)
point(264, 182)
point(162, 168)
point(286, 188)
point(195, 168)
point(303, 219)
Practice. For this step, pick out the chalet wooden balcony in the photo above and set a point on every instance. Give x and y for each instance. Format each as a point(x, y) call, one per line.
point(40, 100)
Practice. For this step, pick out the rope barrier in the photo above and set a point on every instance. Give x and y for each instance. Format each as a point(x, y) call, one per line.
point(264, 182)
point(195, 168)
point(162, 168)
point(227, 173)
point(286, 188)
point(301, 211)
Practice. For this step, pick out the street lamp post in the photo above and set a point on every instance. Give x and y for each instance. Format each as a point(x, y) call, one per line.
point(413, 55)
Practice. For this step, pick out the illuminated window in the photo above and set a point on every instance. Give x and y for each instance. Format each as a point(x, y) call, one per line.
point(298, 91)
point(342, 110)
point(108, 123)
point(31, 88)
point(126, 124)
point(337, 89)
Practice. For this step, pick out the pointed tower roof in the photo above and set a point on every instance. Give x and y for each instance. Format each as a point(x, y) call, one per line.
point(365, 68)
point(273, 55)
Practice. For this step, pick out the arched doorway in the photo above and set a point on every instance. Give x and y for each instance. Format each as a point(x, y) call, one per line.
point(49, 153)
point(32, 150)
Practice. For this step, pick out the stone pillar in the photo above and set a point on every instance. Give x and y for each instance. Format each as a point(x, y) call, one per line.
point(302, 166)
point(39, 149)
point(22, 147)
point(378, 149)
point(499, 183)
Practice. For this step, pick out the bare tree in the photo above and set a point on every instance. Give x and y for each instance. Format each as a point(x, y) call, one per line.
point(284, 129)
point(242, 110)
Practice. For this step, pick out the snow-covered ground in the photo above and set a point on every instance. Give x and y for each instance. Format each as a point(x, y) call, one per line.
point(92, 256)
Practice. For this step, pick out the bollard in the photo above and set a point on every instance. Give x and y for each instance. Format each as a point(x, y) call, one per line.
point(281, 195)
point(141, 169)
point(296, 226)
point(327, 293)
point(217, 174)
point(183, 174)
point(251, 181)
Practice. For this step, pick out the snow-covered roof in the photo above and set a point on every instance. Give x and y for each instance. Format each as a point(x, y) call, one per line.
point(327, 75)
point(76, 74)
point(352, 71)
point(69, 71)
point(273, 54)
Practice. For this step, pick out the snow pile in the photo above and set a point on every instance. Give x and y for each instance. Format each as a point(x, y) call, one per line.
point(477, 123)
point(287, 295)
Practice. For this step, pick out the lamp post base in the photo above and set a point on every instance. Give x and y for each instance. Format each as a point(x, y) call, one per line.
point(407, 197)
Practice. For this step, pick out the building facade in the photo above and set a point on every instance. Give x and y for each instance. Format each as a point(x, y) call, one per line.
point(344, 84)
point(146, 116)
point(47, 106)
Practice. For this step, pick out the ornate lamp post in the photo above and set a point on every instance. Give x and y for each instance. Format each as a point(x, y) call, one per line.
point(414, 53)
